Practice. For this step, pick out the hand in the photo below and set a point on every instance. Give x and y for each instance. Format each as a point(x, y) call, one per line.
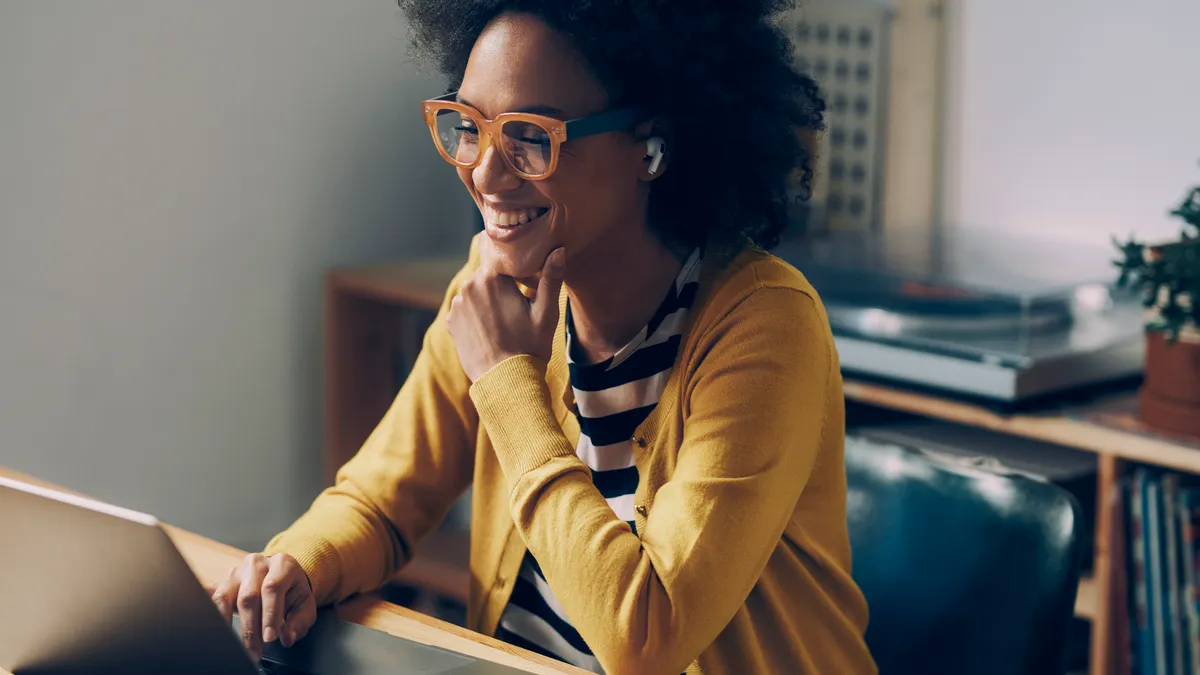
point(272, 597)
point(490, 321)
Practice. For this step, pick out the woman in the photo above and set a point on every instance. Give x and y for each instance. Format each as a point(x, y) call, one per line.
point(647, 404)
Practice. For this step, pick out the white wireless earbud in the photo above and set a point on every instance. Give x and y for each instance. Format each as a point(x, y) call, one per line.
point(656, 147)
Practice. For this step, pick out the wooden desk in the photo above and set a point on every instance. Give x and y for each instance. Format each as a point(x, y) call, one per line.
point(211, 561)
point(375, 317)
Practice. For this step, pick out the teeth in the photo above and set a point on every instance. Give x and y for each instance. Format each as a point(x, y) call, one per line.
point(510, 218)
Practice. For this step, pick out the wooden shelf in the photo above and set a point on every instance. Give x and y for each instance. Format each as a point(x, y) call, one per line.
point(1085, 599)
point(420, 284)
point(1051, 427)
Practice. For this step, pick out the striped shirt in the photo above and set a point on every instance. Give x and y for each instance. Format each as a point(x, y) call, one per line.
point(613, 398)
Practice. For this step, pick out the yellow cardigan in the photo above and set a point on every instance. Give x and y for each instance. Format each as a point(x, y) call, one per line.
point(741, 563)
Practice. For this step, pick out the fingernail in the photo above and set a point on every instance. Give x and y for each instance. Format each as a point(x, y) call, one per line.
point(291, 638)
point(559, 257)
point(268, 634)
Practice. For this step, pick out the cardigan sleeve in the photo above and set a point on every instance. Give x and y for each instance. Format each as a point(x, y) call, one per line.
point(753, 428)
point(400, 484)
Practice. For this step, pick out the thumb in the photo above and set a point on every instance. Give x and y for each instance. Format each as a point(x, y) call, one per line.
point(545, 305)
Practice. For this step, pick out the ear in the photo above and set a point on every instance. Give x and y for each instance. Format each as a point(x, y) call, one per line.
point(652, 140)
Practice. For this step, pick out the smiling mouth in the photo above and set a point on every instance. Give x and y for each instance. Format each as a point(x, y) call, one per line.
point(513, 217)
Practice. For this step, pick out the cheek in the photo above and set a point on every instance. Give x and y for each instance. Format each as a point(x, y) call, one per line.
point(591, 198)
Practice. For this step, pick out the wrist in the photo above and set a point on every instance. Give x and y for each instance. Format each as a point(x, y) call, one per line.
point(319, 561)
point(513, 402)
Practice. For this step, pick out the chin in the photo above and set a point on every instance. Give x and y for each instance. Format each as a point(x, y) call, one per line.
point(521, 256)
point(518, 262)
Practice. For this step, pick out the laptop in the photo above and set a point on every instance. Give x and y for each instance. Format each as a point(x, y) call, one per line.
point(86, 587)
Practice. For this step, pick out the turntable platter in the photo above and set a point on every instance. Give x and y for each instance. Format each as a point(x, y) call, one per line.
point(972, 312)
point(920, 309)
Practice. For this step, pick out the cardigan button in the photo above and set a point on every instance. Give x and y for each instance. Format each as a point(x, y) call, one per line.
point(641, 442)
point(641, 510)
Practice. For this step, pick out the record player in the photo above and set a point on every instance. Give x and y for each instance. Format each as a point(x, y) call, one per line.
point(980, 314)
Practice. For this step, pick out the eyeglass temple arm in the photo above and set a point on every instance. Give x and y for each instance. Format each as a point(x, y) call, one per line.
point(612, 120)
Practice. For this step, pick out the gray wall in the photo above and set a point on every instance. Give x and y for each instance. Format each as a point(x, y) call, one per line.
point(1072, 119)
point(174, 178)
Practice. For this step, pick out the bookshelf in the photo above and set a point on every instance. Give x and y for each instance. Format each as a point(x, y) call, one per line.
point(375, 316)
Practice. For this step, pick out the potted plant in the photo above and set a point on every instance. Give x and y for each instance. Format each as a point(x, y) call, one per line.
point(1168, 276)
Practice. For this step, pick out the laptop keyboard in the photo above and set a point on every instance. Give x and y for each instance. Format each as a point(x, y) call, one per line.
point(272, 668)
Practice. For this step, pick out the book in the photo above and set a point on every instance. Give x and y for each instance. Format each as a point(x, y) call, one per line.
point(1143, 646)
point(1161, 576)
point(1154, 574)
point(1189, 517)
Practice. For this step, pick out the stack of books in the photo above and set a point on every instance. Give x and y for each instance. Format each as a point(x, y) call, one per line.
point(1162, 521)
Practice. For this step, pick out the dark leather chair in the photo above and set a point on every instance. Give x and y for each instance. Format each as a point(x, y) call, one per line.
point(965, 571)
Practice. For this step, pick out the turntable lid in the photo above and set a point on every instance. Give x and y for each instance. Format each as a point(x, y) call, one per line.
point(966, 265)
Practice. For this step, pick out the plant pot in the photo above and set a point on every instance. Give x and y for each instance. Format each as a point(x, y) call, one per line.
point(1170, 395)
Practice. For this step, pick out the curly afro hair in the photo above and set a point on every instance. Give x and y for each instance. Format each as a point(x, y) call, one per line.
point(719, 71)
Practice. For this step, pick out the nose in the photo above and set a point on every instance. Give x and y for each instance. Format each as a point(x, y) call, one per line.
point(493, 175)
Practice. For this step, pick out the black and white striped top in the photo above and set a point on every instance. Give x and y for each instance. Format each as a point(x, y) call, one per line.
point(613, 397)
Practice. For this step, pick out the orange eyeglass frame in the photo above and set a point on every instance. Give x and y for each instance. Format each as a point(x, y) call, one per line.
point(560, 131)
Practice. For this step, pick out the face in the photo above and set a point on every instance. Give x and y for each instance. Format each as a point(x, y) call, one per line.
point(597, 195)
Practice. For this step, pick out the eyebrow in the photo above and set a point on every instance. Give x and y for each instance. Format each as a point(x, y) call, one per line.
point(533, 109)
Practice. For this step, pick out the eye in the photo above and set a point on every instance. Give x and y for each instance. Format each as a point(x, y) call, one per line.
point(527, 133)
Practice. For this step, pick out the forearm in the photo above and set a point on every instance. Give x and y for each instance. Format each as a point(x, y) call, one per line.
point(360, 531)
point(400, 484)
point(621, 591)
point(343, 546)
point(616, 587)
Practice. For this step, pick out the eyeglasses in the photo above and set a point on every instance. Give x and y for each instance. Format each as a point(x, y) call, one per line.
point(529, 143)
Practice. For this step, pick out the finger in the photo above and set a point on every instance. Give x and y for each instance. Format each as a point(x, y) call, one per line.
point(249, 603)
point(225, 596)
point(296, 599)
point(292, 602)
point(475, 287)
point(485, 279)
point(300, 618)
point(545, 305)
point(276, 585)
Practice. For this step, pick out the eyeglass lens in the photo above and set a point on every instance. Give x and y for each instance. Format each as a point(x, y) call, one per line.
point(526, 144)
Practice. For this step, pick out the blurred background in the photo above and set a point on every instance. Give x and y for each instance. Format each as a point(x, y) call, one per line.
point(175, 177)
point(1070, 119)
